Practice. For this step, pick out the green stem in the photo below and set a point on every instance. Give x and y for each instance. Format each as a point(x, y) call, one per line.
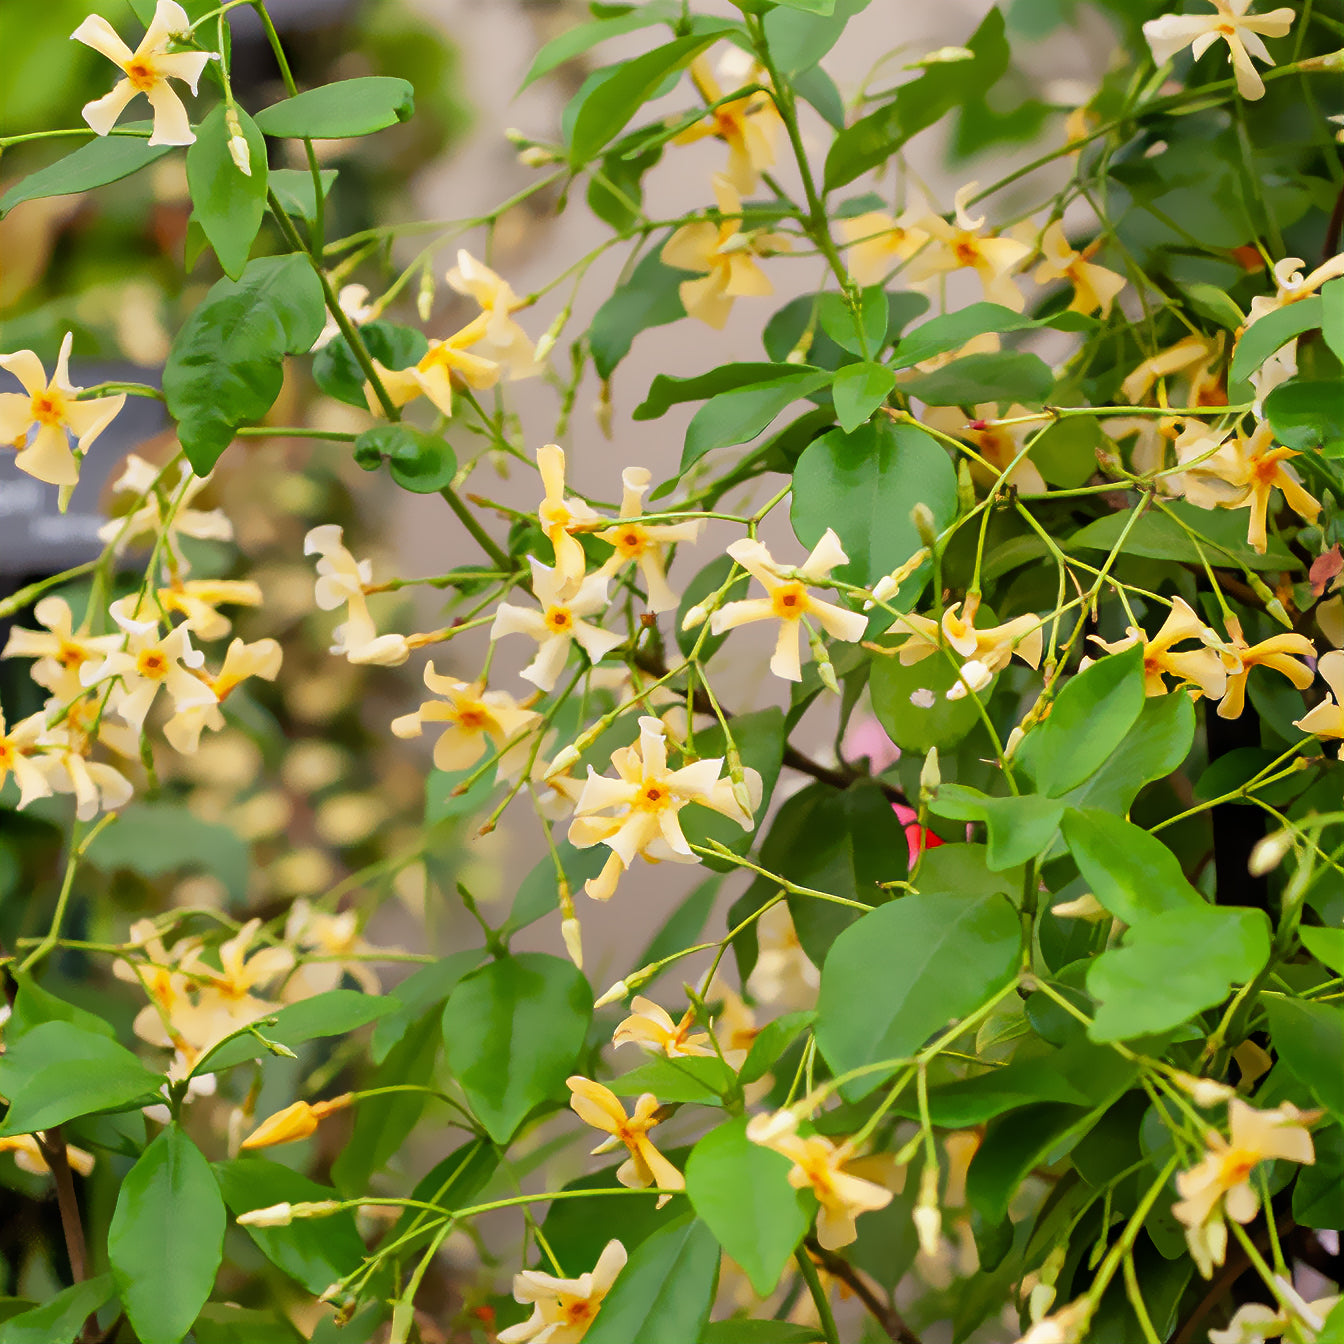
point(813, 1281)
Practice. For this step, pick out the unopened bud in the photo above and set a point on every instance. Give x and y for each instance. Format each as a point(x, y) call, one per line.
point(1276, 609)
point(965, 488)
point(1014, 741)
point(1269, 852)
point(1043, 1294)
point(742, 796)
point(925, 524)
point(697, 615)
point(930, 776)
point(239, 150)
point(570, 932)
point(534, 156)
point(565, 760)
point(602, 409)
point(550, 336)
point(1205, 1092)
point(825, 669)
point(928, 1217)
point(424, 296)
point(273, 1215)
point(619, 991)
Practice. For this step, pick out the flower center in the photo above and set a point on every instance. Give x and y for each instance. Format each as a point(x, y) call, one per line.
point(7, 755)
point(151, 664)
point(577, 1310)
point(631, 542)
point(558, 620)
point(789, 601)
point(48, 408)
point(473, 718)
point(70, 656)
point(142, 74)
point(1236, 1166)
point(653, 797)
point(965, 250)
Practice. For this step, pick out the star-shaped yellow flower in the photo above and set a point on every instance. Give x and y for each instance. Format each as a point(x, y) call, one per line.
point(1201, 667)
point(504, 340)
point(878, 243)
point(1094, 287)
point(1241, 31)
point(433, 375)
point(642, 543)
point(560, 515)
point(471, 718)
point(59, 650)
point(961, 244)
point(1279, 652)
point(600, 1107)
point(653, 1030)
point(563, 1309)
point(1327, 719)
point(749, 126)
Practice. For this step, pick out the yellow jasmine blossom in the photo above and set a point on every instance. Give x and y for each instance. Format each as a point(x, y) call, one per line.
point(29, 1157)
point(641, 543)
point(636, 813)
point(878, 243)
point(159, 974)
point(1241, 31)
point(1327, 719)
point(1292, 286)
point(1279, 652)
point(734, 1025)
point(1199, 667)
point(725, 254)
point(788, 600)
point(51, 406)
point(819, 1166)
point(506, 342)
point(1297, 1323)
point(198, 600)
point(1239, 472)
point(433, 375)
point(997, 443)
point(22, 757)
point(600, 1107)
point(60, 651)
point(960, 244)
point(335, 936)
point(653, 1030)
point(261, 658)
point(563, 1309)
point(560, 516)
point(1193, 355)
point(294, 1122)
point(162, 510)
point(95, 785)
point(749, 125)
point(472, 717)
point(987, 652)
point(341, 580)
point(558, 624)
point(147, 70)
point(1221, 1185)
point(1094, 287)
point(784, 973)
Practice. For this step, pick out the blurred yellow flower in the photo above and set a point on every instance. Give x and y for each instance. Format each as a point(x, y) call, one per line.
point(472, 717)
point(29, 1157)
point(961, 244)
point(563, 1309)
point(1094, 287)
point(1327, 719)
point(748, 125)
point(878, 243)
point(559, 516)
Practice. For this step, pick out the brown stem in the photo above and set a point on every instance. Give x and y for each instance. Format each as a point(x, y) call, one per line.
point(1334, 229)
point(883, 1313)
point(52, 1143)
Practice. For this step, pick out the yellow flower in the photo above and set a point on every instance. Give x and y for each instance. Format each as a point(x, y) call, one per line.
point(749, 125)
point(95, 785)
point(1240, 472)
point(998, 444)
point(507, 343)
point(598, 1106)
point(1292, 286)
point(472, 716)
point(353, 301)
point(641, 543)
point(341, 580)
point(878, 244)
point(1279, 652)
point(198, 600)
point(147, 70)
point(151, 517)
point(563, 1309)
point(559, 517)
point(819, 1166)
point(725, 254)
point(1221, 1183)
point(336, 936)
point(22, 757)
point(558, 624)
point(60, 652)
point(653, 1030)
point(784, 973)
point(160, 975)
point(642, 804)
point(51, 406)
point(1255, 1323)
point(788, 600)
point(1242, 33)
point(961, 244)
point(29, 1157)
point(294, 1122)
point(986, 651)
point(261, 658)
point(1327, 719)
point(1193, 355)
point(1199, 667)
point(434, 374)
point(1094, 287)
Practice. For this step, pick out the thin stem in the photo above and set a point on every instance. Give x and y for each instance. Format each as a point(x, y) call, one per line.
point(810, 1277)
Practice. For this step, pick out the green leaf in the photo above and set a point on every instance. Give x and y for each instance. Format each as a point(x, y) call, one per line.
point(648, 298)
point(1215, 304)
point(1007, 375)
point(421, 991)
point(55, 1072)
point(951, 331)
point(225, 367)
point(1172, 966)
point(512, 1031)
point(665, 391)
point(228, 1323)
point(911, 702)
point(585, 36)
point(907, 970)
point(664, 1293)
point(1131, 872)
point(166, 1238)
point(1332, 315)
point(771, 1042)
point(742, 1192)
point(742, 413)
point(1309, 1038)
point(61, 1318)
point(227, 203)
point(1326, 945)
point(337, 372)
point(858, 390)
point(864, 484)
point(419, 462)
point(313, 1251)
point(1014, 1145)
point(1158, 537)
point(800, 35)
point(34, 1005)
point(104, 159)
point(1089, 720)
point(836, 318)
point(338, 111)
point(1263, 338)
point(609, 105)
point(1306, 414)
point(1019, 827)
point(294, 189)
point(538, 893)
point(704, 1080)
point(333, 1013)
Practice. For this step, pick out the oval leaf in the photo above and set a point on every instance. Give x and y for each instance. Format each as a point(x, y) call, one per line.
point(227, 203)
point(104, 159)
point(858, 390)
point(335, 111)
point(419, 462)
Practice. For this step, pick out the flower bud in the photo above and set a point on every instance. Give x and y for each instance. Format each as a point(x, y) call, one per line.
point(239, 150)
point(697, 615)
point(424, 296)
point(1205, 1092)
point(1043, 1294)
point(565, 760)
point(930, 776)
point(294, 1122)
point(615, 994)
point(274, 1215)
point(570, 932)
point(965, 487)
point(928, 1217)
point(925, 524)
point(1269, 852)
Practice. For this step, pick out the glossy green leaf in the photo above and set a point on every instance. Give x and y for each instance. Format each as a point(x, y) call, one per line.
point(419, 462)
point(858, 390)
point(666, 391)
point(742, 1192)
point(34, 1005)
point(585, 36)
point(337, 372)
point(350, 107)
point(703, 1079)
point(1215, 304)
point(57, 1071)
point(1332, 315)
point(228, 1323)
point(911, 702)
point(538, 893)
point(1013, 1146)
point(333, 1013)
point(61, 1318)
point(1326, 945)
point(1019, 827)
point(424, 989)
point(1008, 375)
point(296, 192)
point(1265, 336)
point(800, 35)
point(227, 203)
point(648, 298)
point(950, 331)
point(908, 970)
point(166, 1238)
point(104, 159)
point(1159, 537)
point(739, 415)
point(664, 1293)
point(863, 337)
point(1309, 1038)
point(1172, 966)
point(1306, 414)
point(864, 484)
point(705, 583)
point(512, 1031)
point(772, 1041)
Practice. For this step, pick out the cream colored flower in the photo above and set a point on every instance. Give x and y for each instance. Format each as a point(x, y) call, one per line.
point(997, 443)
point(472, 718)
point(1094, 287)
point(161, 510)
point(558, 624)
point(157, 970)
point(1201, 667)
point(29, 1157)
point(725, 254)
point(560, 516)
point(503, 339)
point(60, 651)
point(445, 362)
point(986, 652)
point(1279, 652)
point(563, 1309)
point(96, 786)
point(1241, 31)
point(653, 1030)
point(878, 243)
point(783, 974)
point(749, 126)
point(636, 813)
point(51, 406)
point(199, 599)
point(1221, 1185)
point(147, 70)
point(819, 1166)
point(261, 658)
point(335, 936)
point(1291, 286)
point(341, 580)
point(600, 1107)
point(295, 1122)
point(1327, 719)
point(960, 244)
point(1256, 1323)
point(22, 756)
point(642, 543)
point(788, 600)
